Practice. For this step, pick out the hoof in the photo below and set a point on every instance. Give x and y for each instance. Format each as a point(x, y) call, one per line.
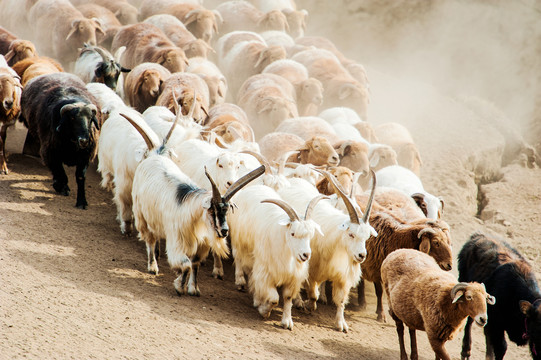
point(82, 206)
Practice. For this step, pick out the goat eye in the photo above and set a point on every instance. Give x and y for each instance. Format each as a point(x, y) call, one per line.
point(292, 234)
point(351, 236)
point(220, 166)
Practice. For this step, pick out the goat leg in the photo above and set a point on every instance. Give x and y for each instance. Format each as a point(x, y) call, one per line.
point(466, 341)
point(80, 177)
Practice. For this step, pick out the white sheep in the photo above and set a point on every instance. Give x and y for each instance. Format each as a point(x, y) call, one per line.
point(399, 138)
point(272, 248)
point(403, 179)
point(336, 256)
point(216, 81)
point(168, 205)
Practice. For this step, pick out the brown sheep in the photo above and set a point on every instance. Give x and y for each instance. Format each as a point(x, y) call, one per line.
point(428, 236)
point(142, 85)
point(30, 68)
point(125, 12)
point(6, 38)
point(20, 50)
point(182, 87)
point(424, 297)
point(10, 101)
point(61, 29)
point(201, 22)
point(230, 129)
point(107, 19)
point(398, 204)
point(227, 109)
point(353, 155)
point(147, 43)
point(308, 126)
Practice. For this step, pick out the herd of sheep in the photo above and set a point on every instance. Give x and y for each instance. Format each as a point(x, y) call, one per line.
point(229, 128)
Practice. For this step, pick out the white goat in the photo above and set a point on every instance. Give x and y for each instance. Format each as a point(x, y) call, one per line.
point(403, 179)
point(167, 204)
point(273, 249)
point(336, 256)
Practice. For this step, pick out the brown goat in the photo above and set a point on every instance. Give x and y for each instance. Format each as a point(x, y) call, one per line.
point(428, 236)
point(142, 85)
point(147, 43)
point(29, 68)
point(423, 297)
point(10, 108)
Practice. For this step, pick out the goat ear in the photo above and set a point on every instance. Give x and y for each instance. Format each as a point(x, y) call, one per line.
point(425, 245)
point(525, 307)
point(284, 222)
point(419, 198)
point(458, 295)
point(207, 202)
point(344, 92)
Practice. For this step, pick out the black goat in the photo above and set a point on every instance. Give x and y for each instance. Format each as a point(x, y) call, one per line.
point(62, 117)
point(508, 277)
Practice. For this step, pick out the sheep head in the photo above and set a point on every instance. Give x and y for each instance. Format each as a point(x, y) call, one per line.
point(197, 47)
point(343, 176)
point(472, 298)
point(532, 311)
point(310, 91)
point(75, 120)
point(10, 95)
point(353, 155)
point(127, 14)
point(20, 50)
point(217, 88)
point(273, 20)
point(268, 56)
point(189, 99)
point(149, 85)
point(430, 205)
point(367, 131)
point(296, 20)
point(435, 240)
point(83, 31)
point(318, 151)
point(353, 95)
point(275, 109)
point(382, 156)
point(173, 59)
point(202, 23)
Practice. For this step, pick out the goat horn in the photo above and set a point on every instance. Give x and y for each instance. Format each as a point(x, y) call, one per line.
point(148, 141)
point(354, 218)
point(285, 206)
point(243, 181)
point(216, 197)
point(176, 105)
point(312, 205)
point(192, 109)
point(177, 118)
point(424, 231)
point(457, 288)
point(219, 141)
point(366, 215)
point(104, 54)
point(283, 161)
point(263, 160)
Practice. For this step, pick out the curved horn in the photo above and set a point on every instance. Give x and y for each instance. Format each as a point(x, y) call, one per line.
point(68, 107)
point(219, 141)
point(243, 181)
point(145, 136)
point(176, 105)
point(368, 208)
point(457, 288)
point(106, 56)
point(235, 132)
point(424, 231)
point(263, 160)
point(285, 206)
point(354, 218)
point(283, 161)
point(177, 118)
point(216, 197)
point(312, 204)
point(192, 109)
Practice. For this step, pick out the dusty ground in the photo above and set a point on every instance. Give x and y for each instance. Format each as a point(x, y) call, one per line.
point(73, 287)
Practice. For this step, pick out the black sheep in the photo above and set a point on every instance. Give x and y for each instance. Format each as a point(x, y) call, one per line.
point(508, 277)
point(62, 117)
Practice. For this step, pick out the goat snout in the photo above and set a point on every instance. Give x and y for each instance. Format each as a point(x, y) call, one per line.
point(481, 320)
point(224, 232)
point(154, 92)
point(360, 257)
point(83, 142)
point(304, 256)
point(8, 104)
point(446, 266)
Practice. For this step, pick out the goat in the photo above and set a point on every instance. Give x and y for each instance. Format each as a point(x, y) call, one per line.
point(424, 297)
point(10, 99)
point(272, 249)
point(337, 255)
point(96, 64)
point(142, 85)
point(62, 116)
point(167, 204)
point(508, 276)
